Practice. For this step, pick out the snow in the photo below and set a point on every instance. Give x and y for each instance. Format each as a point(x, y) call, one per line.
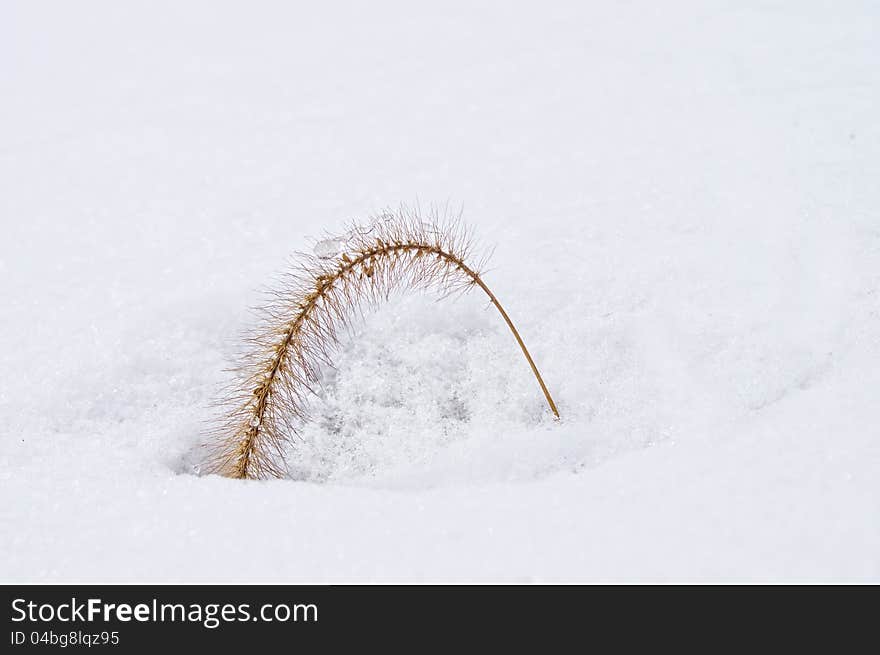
point(683, 202)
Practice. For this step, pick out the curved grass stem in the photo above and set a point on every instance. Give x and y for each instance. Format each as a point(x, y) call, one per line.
point(301, 331)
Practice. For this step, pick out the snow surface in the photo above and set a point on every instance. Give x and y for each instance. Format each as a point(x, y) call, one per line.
point(685, 206)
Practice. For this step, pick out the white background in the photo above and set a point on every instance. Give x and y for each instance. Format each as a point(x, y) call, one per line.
point(683, 198)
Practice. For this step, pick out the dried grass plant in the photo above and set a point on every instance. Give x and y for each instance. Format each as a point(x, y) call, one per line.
point(317, 300)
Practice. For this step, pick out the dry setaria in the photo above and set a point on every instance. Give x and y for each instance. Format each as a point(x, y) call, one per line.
point(301, 328)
